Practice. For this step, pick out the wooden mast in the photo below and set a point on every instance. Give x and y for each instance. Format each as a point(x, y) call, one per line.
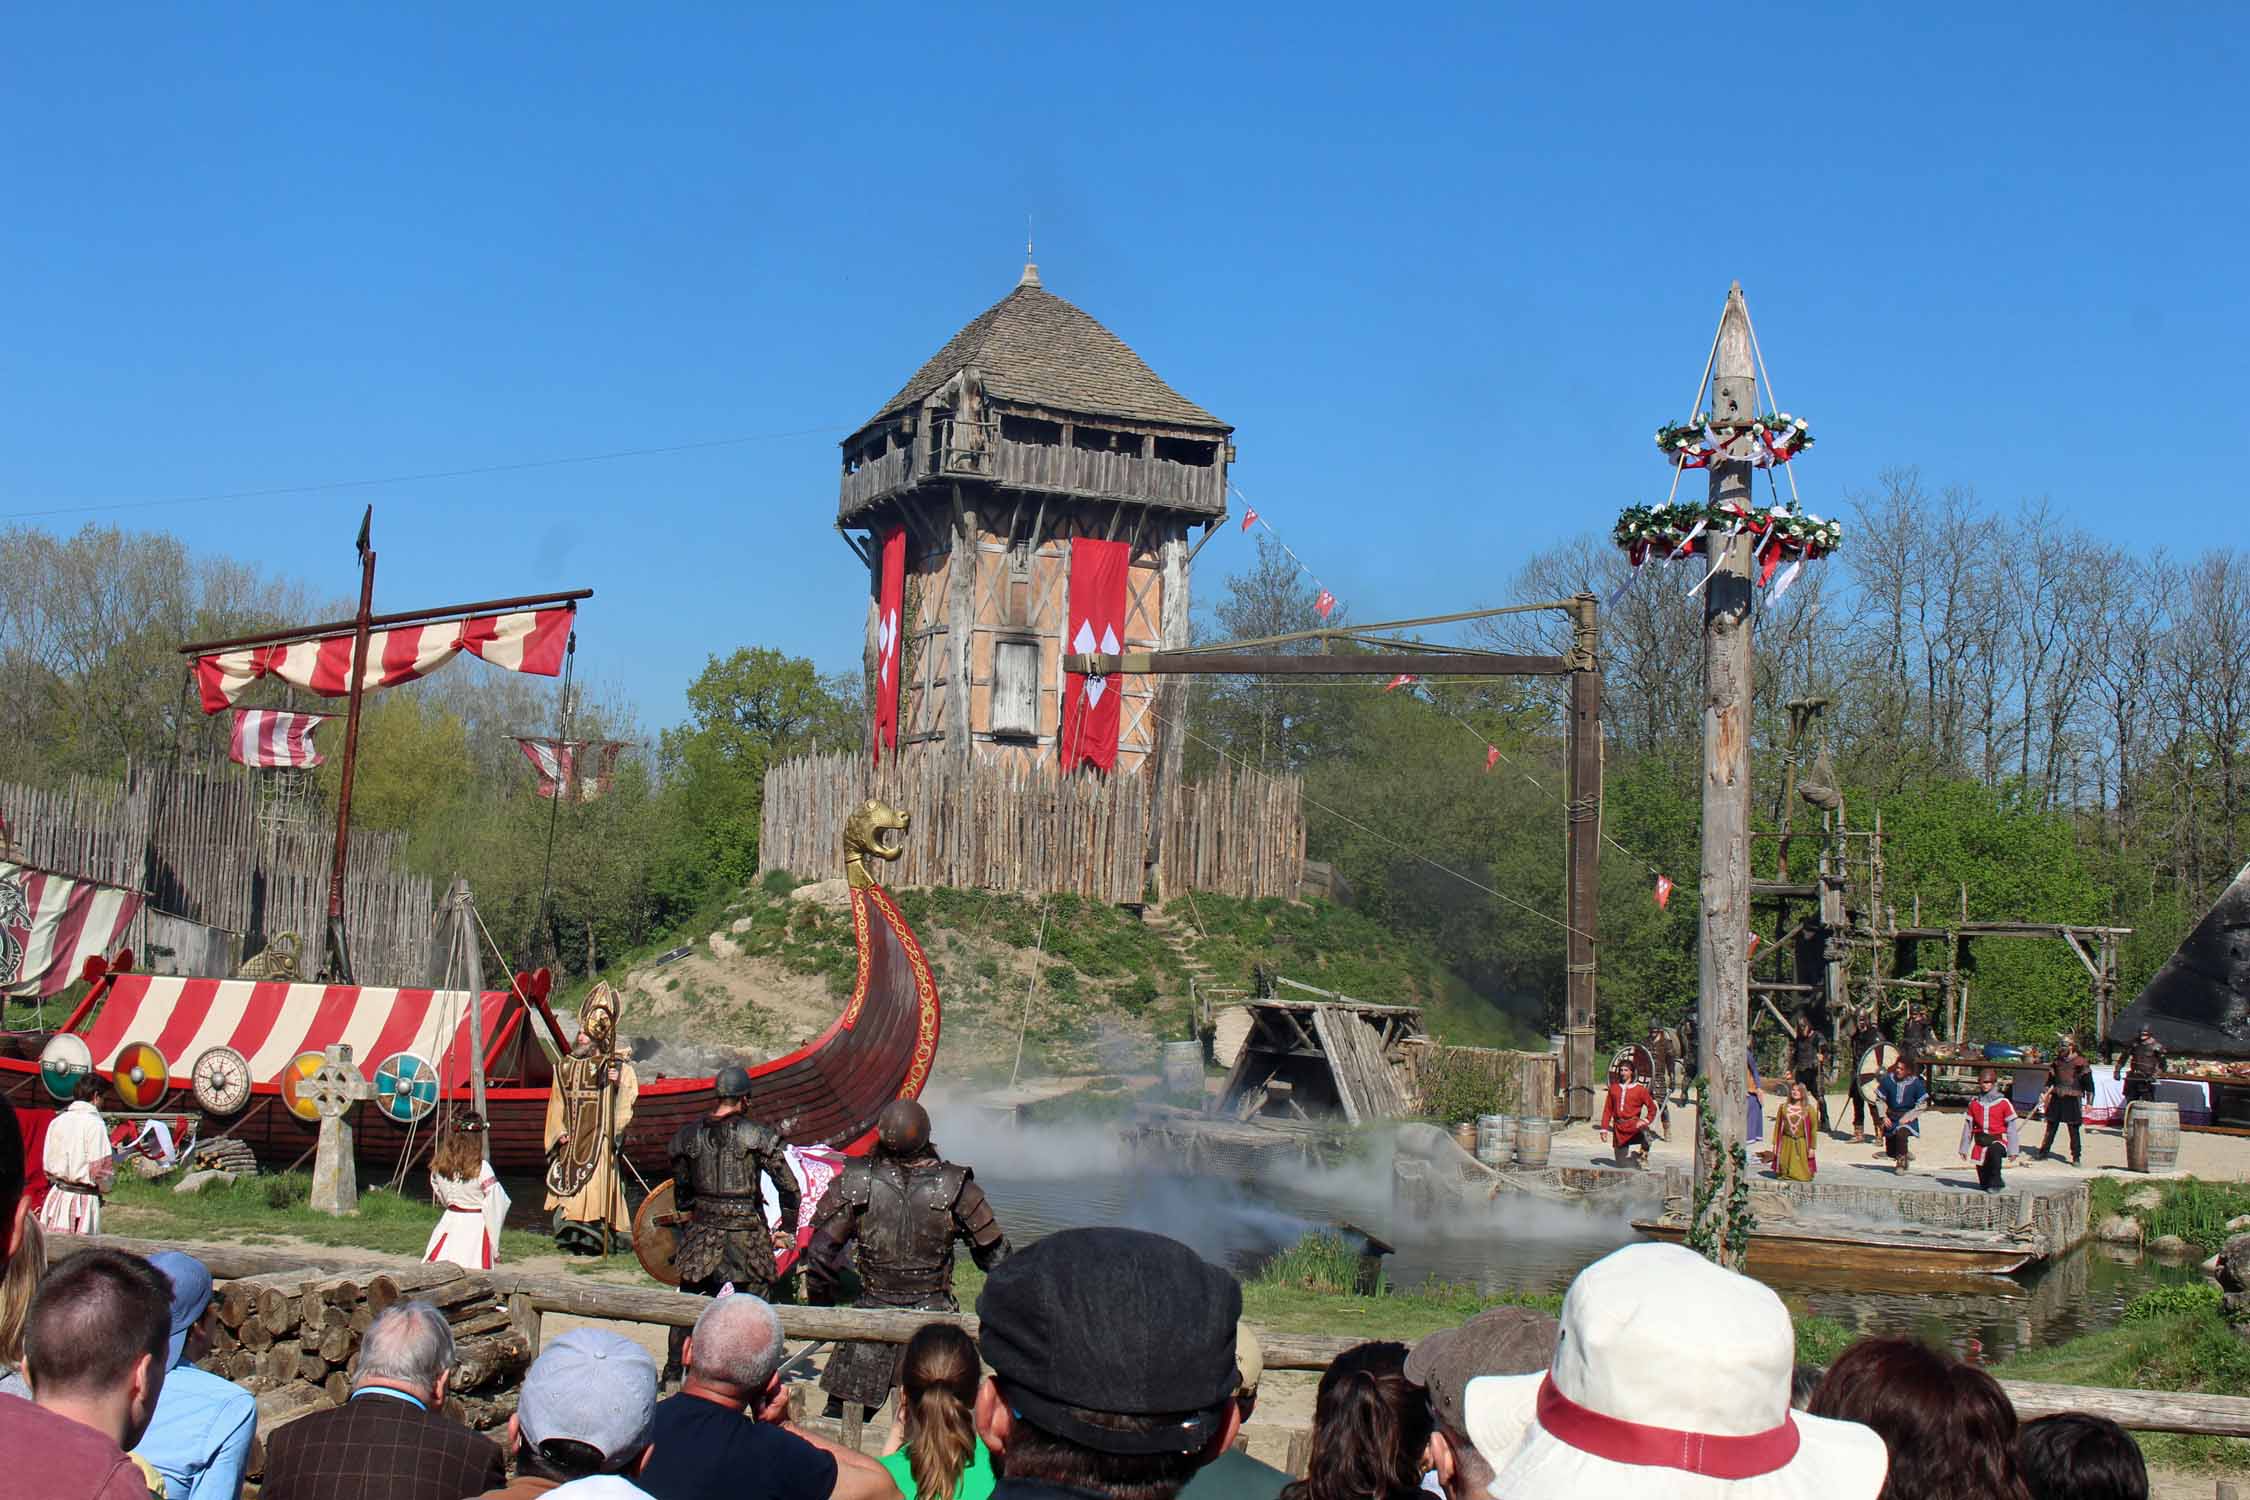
point(1724, 971)
point(338, 965)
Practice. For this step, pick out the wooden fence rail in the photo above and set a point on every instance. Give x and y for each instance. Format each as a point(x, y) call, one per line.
point(1005, 827)
point(194, 841)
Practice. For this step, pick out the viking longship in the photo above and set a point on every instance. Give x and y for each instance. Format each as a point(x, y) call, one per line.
point(235, 1050)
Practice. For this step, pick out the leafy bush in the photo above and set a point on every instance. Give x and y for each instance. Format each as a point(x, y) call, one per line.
point(2198, 1297)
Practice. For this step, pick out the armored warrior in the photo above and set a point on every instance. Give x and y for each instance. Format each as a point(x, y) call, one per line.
point(587, 1112)
point(2143, 1068)
point(905, 1207)
point(716, 1164)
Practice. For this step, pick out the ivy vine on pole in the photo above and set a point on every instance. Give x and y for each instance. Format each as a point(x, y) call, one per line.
point(1719, 1217)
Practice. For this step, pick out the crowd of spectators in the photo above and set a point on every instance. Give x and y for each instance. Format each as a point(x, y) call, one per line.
point(1110, 1364)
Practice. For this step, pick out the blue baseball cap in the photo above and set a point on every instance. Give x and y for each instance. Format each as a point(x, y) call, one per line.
point(191, 1294)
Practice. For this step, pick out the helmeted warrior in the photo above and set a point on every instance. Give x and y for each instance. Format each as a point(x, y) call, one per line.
point(717, 1162)
point(904, 1208)
point(587, 1112)
point(2143, 1067)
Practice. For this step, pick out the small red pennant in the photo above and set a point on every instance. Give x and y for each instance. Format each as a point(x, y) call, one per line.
point(1323, 603)
point(1403, 679)
point(1663, 885)
point(1249, 515)
point(1492, 757)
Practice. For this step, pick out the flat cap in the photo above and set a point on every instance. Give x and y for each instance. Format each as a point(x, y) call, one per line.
point(1497, 1341)
point(1114, 1322)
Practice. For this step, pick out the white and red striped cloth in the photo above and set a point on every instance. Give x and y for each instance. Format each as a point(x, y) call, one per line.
point(270, 1023)
point(529, 640)
point(559, 763)
point(51, 924)
point(270, 739)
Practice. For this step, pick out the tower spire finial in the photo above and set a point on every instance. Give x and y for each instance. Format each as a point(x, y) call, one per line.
point(1030, 276)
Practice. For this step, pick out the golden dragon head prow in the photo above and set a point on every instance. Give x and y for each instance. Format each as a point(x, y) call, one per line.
point(864, 837)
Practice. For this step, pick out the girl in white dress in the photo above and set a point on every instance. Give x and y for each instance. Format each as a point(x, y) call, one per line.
point(462, 1182)
point(78, 1164)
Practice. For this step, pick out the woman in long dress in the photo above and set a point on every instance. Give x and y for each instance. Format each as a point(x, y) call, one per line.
point(1793, 1128)
point(78, 1164)
point(464, 1185)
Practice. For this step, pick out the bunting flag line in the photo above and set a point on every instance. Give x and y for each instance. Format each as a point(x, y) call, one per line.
point(269, 739)
point(1663, 892)
point(1403, 679)
point(529, 640)
point(1324, 602)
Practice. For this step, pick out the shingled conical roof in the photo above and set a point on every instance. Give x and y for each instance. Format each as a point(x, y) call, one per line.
point(1035, 349)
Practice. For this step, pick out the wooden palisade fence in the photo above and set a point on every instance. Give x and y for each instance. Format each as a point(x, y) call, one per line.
point(995, 826)
point(194, 842)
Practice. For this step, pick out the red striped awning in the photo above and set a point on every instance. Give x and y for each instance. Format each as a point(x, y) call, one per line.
point(270, 1023)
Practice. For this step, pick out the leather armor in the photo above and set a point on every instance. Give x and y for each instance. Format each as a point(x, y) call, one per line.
point(905, 1217)
point(716, 1167)
point(2147, 1060)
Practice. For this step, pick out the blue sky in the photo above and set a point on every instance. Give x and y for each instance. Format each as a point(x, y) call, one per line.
point(1444, 269)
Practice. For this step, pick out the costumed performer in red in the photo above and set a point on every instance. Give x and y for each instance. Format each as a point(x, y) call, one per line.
point(1988, 1134)
point(1628, 1116)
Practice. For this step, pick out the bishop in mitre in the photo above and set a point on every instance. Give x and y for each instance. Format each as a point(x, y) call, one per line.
point(587, 1112)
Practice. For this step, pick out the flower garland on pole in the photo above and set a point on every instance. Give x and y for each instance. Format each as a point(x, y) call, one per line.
point(1698, 444)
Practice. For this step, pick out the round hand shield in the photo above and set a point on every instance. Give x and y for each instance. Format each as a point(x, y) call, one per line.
point(656, 1239)
point(1644, 1066)
point(406, 1087)
point(140, 1076)
point(1873, 1064)
point(62, 1062)
point(220, 1080)
point(295, 1081)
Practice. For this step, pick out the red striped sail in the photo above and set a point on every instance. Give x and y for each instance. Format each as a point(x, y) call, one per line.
point(51, 924)
point(268, 739)
point(530, 640)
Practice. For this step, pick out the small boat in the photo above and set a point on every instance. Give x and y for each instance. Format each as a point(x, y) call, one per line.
point(1912, 1253)
point(826, 1093)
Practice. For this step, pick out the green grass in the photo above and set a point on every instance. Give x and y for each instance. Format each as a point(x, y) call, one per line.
point(2157, 1350)
point(260, 1210)
point(2194, 1210)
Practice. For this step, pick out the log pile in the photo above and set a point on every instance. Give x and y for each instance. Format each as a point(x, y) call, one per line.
point(292, 1338)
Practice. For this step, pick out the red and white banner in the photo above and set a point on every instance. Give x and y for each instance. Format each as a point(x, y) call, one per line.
point(1324, 604)
point(270, 739)
point(890, 599)
point(270, 1022)
point(563, 763)
point(1249, 515)
point(1403, 679)
point(526, 641)
point(1491, 756)
point(1097, 624)
point(51, 924)
point(1663, 891)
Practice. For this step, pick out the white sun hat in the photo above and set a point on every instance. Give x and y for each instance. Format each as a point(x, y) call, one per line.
point(1670, 1377)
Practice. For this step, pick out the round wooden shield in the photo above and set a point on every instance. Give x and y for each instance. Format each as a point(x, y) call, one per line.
point(296, 1074)
point(1873, 1064)
point(140, 1076)
point(1644, 1066)
point(406, 1087)
point(62, 1062)
point(220, 1080)
point(656, 1243)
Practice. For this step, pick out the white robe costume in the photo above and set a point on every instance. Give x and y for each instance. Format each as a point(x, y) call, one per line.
point(468, 1233)
point(77, 1143)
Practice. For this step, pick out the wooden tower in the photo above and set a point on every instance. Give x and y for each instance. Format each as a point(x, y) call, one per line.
point(1033, 428)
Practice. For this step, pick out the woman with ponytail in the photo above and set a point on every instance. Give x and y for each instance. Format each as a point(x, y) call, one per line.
point(935, 1452)
point(1370, 1426)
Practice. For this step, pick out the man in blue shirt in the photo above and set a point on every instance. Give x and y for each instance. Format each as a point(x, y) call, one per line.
point(200, 1436)
point(1904, 1096)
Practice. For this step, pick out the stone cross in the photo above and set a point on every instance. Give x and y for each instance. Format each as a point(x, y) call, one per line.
point(334, 1088)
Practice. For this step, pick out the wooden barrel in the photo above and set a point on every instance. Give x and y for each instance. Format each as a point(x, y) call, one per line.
point(1532, 1139)
point(2152, 1136)
point(1465, 1136)
point(1183, 1068)
point(1496, 1139)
